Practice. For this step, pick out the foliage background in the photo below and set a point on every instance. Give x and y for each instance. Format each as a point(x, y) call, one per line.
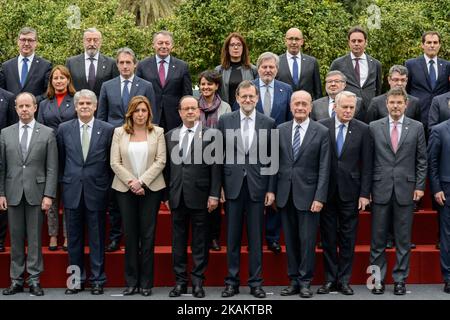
point(200, 27)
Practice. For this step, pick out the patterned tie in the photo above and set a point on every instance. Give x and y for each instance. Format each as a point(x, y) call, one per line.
point(24, 74)
point(125, 95)
point(296, 142)
point(162, 73)
point(295, 70)
point(357, 73)
point(432, 74)
point(23, 141)
point(91, 75)
point(394, 137)
point(267, 101)
point(246, 134)
point(340, 139)
point(85, 141)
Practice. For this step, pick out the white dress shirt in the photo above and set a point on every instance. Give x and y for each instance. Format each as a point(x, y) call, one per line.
point(337, 124)
point(89, 129)
point(399, 126)
point(20, 64)
point(87, 64)
point(166, 64)
point(184, 131)
point(291, 63)
point(122, 84)
point(138, 153)
point(363, 67)
point(302, 130)
point(251, 126)
point(30, 131)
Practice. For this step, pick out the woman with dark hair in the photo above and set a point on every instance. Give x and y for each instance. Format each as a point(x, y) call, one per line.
point(235, 66)
point(138, 157)
point(57, 108)
point(211, 108)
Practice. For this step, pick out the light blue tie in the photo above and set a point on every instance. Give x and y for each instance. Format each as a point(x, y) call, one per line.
point(432, 74)
point(296, 142)
point(295, 70)
point(340, 139)
point(125, 95)
point(24, 74)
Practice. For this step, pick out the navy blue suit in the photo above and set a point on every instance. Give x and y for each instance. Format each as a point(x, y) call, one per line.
point(419, 84)
point(52, 116)
point(439, 109)
point(85, 185)
point(110, 107)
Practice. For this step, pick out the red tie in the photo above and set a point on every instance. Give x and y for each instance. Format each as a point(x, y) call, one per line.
point(394, 137)
point(162, 73)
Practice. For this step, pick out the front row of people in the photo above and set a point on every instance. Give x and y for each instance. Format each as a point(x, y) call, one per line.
point(316, 171)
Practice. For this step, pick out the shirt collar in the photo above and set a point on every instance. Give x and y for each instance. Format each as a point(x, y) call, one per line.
point(303, 125)
point(362, 57)
point(338, 123)
point(263, 84)
point(122, 79)
point(166, 59)
point(251, 116)
point(427, 59)
point(193, 129)
point(90, 123)
point(30, 58)
point(400, 121)
point(30, 125)
point(86, 56)
point(289, 56)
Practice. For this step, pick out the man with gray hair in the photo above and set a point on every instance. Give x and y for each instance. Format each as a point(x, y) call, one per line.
point(170, 79)
point(84, 147)
point(90, 69)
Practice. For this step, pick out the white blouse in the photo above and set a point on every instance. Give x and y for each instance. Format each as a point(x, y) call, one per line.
point(138, 152)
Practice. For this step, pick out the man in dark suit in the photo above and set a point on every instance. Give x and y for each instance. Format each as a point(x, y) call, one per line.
point(8, 116)
point(397, 78)
point(429, 75)
point(301, 189)
point(28, 179)
point(193, 193)
point(399, 171)
point(363, 72)
point(170, 78)
point(246, 185)
point(84, 145)
point(439, 109)
point(27, 72)
point(90, 69)
point(348, 192)
point(112, 108)
point(439, 171)
point(323, 108)
point(298, 69)
point(274, 99)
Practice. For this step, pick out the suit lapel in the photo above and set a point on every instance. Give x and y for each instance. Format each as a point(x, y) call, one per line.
point(385, 127)
point(100, 68)
point(134, 87)
point(77, 139)
point(286, 135)
point(16, 72)
point(154, 70)
point(309, 135)
point(82, 69)
point(65, 106)
point(170, 71)
point(348, 136)
point(34, 136)
point(371, 69)
point(95, 135)
point(332, 129)
point(284, 65)
point(423, 66)
point(236, 125)
point(16, 135)
point(351, 70)
point(405, 130)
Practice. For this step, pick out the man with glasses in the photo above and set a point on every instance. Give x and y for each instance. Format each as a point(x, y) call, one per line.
point(323, 108)
point(90, 69)
point(298, 69)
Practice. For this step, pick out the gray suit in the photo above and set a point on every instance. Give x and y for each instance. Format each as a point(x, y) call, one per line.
point(24, 183)
point(320, 109)
point(395, 177)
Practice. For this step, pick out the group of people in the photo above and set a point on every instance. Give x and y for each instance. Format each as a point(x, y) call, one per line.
point(259, 142)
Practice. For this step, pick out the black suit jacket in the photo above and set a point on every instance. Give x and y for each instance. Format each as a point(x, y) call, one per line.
point(52, 116)
point(8, 114)
point(106, 70)
point(178, 84)
point(309, 75)
point(378, 109)
point(194, 182)
point(37, 78)
point(351, 173)
point(439, 110)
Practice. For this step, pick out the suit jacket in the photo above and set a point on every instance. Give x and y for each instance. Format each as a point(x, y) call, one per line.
point(281, 110)
point(370, 88)
point(52, 116)
point(403, 171)
point(309, 75)
point(90, 178)
point(8, 114)
point(419, 84)
point(378, 108)
point(351, 172)
point(106, 70)
point(121, 162)
point(233, 169)
point(320, 109)
point(194, 182)
point(247, 74)
point(439, 109)
point(178, 84)
point(34, 177)
point(37, 78)
point(110, 107)
point(308, 175)
point(439, 159)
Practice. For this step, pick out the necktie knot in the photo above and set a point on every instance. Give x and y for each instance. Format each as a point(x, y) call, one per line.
point(25, 126)
point(25, 60)
point(431, 62)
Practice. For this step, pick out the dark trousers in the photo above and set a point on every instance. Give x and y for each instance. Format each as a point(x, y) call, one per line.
point(338, 226)
point(3, 226)
point(139, 215)
point(444, 216)
point(115, 218)
point(403, 219)
point(76, 220)
point(273, 225)
point(235, 210)
point(214, 221)
point(182, 217)
point(300, 232)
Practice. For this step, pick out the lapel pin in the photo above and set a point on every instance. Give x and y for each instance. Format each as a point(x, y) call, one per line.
point(98, 132)
point(1, 100)
point(281, 90)
point(137, 84)
point(349, 132)
point(406, 128)
point(104, 67)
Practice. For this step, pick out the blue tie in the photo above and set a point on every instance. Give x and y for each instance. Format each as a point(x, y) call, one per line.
point(24, 74)
point(295, 70)
point(296, 143)
point(125, 95)
point(340, 139)
point(432, 74)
